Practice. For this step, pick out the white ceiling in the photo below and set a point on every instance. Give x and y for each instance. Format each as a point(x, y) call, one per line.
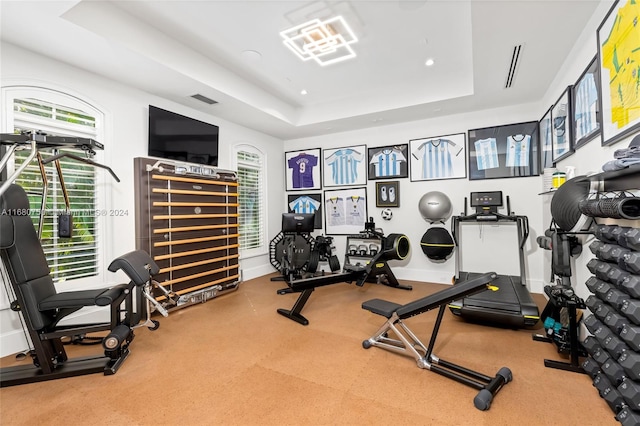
point(176, 49)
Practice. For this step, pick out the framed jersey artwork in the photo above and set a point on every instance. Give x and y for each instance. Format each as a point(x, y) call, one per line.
point(584, 98)
point(546, 146)
point(387, 162)
point(618, 59)
point(438, 157)
point(307, 203)
point(344, 166)
point(561, 127)
point(345, 211)
point(511, 150)
point(303, 170)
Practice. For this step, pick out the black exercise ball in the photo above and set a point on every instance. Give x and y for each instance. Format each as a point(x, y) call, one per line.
point(437, 243)
point(565, 204)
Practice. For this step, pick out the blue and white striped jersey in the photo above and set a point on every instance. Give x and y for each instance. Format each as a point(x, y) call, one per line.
point(387, 162)
point(304, 204)
point(344, 166)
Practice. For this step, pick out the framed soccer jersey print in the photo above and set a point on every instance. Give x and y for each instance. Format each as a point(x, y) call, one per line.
point(345, 211)
point(584, 98)
point(386, 162)
point(546, 144)
point(504, 151)
point(439, 157)
point(619, 55)
point(303, 169)
point(345, 166)
point(561, 127)
point(307, 203)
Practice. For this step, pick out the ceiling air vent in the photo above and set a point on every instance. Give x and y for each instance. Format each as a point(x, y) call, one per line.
point(515, 61)
point(204, 99)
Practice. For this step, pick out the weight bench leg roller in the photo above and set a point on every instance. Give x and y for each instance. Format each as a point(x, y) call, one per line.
point(408, 343)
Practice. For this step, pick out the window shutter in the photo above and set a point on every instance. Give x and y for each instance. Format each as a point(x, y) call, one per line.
point(250, 198)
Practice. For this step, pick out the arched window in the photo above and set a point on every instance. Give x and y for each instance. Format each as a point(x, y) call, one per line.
point(250, 164)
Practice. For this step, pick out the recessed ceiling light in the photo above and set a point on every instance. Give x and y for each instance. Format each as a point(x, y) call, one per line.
point(430, 62)
point(303, 92)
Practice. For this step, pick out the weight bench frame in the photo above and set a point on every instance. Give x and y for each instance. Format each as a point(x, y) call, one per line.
point(407, 343)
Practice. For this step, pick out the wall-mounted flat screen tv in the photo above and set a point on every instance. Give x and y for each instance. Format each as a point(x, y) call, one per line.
point(176, 137)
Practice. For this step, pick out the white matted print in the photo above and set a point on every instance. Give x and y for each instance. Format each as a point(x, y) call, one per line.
point(345, 211)
point(345, 166)
point(303, 169)
point(439, 157)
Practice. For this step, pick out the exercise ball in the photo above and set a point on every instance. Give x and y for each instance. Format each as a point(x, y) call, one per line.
point(435, 206)
point(565, 204)
point(437, 243)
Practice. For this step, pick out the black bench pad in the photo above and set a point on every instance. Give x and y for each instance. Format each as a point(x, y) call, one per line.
point(381, 307)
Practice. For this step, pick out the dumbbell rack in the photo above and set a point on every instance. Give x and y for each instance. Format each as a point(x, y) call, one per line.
point(361, 248)
point(613, 348)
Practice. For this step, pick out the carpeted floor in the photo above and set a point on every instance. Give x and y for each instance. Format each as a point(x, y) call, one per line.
point(234, 360)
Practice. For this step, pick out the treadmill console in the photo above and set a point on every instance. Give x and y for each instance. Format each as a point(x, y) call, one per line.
point(486, 203)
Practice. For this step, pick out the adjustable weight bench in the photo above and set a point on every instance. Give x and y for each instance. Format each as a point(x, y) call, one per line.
point(408, 343)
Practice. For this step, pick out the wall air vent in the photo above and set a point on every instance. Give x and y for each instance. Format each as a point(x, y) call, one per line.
point(204, 99)
point(515, 61)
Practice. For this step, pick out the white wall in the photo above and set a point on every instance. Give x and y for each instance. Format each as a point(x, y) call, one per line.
point(126, 110)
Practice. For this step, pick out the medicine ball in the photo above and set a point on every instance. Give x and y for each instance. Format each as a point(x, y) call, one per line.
point(437, 243)
point(435, 206)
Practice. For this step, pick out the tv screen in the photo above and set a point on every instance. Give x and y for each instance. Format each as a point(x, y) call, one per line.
point(176, 137)
point(297, 222)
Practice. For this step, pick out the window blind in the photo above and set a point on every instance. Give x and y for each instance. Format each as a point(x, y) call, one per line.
point(250, 198)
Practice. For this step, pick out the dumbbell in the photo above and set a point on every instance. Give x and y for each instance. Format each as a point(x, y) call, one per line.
point(627, 417)
point(599, 268)
point(631, 262)
point(630, 361)
point(591, 367)
point(631, 284)
point(631, 309)
point(614, 345)
point(616, 298)
point(610, 394)
point(630, 391)
point(598, 307)
point(630, 239)
point(617, 234)
point(614, 372)
point(631, 334)
point(616, 322)
point(591, 345)
point(598, 287)
point(611, 253)
point(605, 233)
point(616, 275)
point(595, 246)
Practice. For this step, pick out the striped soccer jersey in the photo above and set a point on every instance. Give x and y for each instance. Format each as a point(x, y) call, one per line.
point(586, 99)
point(344, 166)
point(334, 209)
point(302, 166)
point(486, 154)
point(304, 204)
point(387, 162)
point(435, 157)
point(518, 150)
point(355, 210)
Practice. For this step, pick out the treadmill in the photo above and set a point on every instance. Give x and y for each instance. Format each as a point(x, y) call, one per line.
point(511, 305)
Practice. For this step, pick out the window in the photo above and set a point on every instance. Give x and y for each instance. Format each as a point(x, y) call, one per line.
point(250, 166)
point(60, 115)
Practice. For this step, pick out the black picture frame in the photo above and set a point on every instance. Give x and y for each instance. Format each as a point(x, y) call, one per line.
point(546, 143)
point(562, 127)
point(438, 157)
point(385, 162)
point(586, 105)
point(619, 103)
point(306, 203)
point(388, 193)
point(345, 210)
point(303, 170)
point(506, 151)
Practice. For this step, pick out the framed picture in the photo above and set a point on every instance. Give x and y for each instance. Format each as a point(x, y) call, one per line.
point(584, 98)
point(388, 194)
point(546, 145)
point(561, 135)
point(504, 151)
point(345, 211)
point(386, 162)
point(307, 203)
point(618, 68)
point(439, 157)
point(345, 166)
point(302, 169)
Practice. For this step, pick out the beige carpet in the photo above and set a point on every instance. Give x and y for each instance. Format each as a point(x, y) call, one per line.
point(234, 360)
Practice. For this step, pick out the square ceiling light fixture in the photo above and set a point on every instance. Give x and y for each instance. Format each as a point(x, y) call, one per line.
point(326, 42)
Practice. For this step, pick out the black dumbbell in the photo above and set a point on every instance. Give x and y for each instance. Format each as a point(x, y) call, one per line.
point(599, 268)
point(631, 262)
point(630, 361)
point(631, 284)
point(627, 417)
point(595, 246)
point(597, 307)
point(610, 252)
point(614, 372)
point(616, 298)
point(631, 334)
point(604, 233)
point(614, 345)
point(592, 323)
point(616, 275)
point(616, 322)
point(609, 392)
point(591, 367)
point(598, 287)
point(631, 309)
point(618, 232)
point(591, 345)
point(630, 239)
point(630, 391)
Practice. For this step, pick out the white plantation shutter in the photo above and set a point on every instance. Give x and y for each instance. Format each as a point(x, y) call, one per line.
point(68, 258)
point(250, 166)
